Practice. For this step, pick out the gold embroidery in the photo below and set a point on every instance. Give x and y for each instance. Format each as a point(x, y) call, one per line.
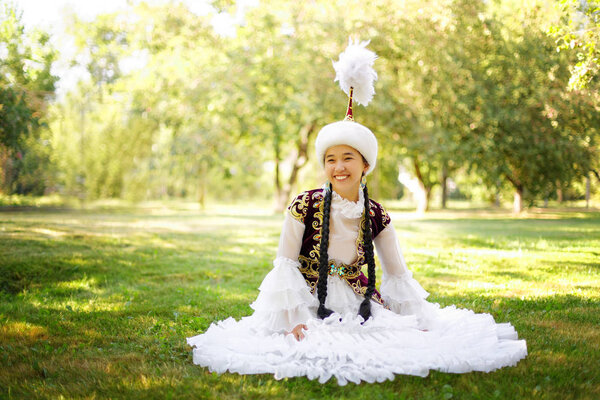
point(360, 251)
point(309, 266)
point(385, 217)
point(299, 207)
point(317, 224)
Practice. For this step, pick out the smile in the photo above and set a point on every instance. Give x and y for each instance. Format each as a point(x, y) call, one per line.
point(341, 177)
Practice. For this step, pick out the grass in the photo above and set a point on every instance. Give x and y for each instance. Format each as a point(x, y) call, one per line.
point(97, 303)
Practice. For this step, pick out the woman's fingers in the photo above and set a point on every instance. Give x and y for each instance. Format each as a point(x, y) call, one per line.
point(297, 331)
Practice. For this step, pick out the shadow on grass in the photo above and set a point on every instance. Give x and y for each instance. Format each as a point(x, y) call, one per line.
point(38, 263)
point(561, 266)
point(114, 312)
point(506, 225)
point(140, 349)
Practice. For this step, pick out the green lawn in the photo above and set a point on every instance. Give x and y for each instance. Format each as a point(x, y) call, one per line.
point(97, 303)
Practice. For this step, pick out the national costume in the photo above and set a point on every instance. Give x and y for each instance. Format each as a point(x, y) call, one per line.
point(401, 333)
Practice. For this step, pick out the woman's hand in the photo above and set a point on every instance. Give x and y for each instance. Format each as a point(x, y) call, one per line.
point(297, 331)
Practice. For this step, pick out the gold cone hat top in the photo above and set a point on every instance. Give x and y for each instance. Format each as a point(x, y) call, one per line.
point(349, 114)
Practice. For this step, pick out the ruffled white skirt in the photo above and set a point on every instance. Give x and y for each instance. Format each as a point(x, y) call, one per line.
point(449, 339)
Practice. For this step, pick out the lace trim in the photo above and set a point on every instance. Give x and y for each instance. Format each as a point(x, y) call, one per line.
point(347, 208)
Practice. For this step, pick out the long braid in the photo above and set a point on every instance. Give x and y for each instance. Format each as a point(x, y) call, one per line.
point(324, 312)
point(365, 307)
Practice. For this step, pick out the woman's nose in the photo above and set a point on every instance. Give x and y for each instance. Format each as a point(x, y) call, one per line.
point(339, 166)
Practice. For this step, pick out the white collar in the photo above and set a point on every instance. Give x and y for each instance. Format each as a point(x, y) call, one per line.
point(349, 209)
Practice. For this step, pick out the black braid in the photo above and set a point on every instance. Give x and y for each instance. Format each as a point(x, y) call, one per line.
point(324, 312)
point(365, 307)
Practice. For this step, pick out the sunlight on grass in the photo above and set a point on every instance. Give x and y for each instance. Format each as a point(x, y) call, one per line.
point(22, 332)
point(97, 303)
point(48, 232)
point(575, 331)
point(83, 283)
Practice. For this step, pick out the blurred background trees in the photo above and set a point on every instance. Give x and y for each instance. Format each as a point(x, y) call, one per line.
point(578, 31)
point(473, 100)
point(26, 87)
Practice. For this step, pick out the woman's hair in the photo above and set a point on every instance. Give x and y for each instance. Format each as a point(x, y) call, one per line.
point(324, 312)
point(365, 306)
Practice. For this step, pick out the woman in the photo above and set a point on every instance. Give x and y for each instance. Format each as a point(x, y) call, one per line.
point(318, 315)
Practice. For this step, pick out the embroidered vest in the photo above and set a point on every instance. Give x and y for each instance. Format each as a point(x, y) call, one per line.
point(307, 208)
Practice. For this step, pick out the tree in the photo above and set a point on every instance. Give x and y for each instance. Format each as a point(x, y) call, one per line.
point(515, 134)
point(26, 86)
point(288, 85)
point(469, 84)
point(426, 70)
point(167, 118)
point(578, 31)
point(208, 114)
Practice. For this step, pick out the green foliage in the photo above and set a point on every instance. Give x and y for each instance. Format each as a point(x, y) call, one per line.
point(26, 87)
point(480, 87)
point(93, 306)
point(578, 31)
point(526, 133)
point(167, 119)
point(173, 108)
point(15, 117)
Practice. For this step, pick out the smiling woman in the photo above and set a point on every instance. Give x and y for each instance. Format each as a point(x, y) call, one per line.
point(345, 167)
point(318, 315)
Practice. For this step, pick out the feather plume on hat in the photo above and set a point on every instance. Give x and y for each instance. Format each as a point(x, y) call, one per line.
point(354, 70)
point(356, 76)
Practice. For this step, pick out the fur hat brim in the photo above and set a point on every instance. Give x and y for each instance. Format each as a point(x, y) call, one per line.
point(351, 134)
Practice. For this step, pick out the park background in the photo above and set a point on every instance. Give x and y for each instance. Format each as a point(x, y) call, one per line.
point(148, 149)
point(493, 102)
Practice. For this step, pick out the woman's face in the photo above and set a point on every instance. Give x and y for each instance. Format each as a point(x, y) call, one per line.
point(344, 167)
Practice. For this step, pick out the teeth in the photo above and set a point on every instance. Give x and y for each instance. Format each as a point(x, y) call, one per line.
point(341, 178)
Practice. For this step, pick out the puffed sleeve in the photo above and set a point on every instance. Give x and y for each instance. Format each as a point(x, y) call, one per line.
point(403, 294)
point(285, 300)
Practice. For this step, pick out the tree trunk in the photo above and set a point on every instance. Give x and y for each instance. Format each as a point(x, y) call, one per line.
point(559, 192)
point(82, 183)
point(5, 167)
point(202, 186)
point(277, 177)
point(428, 197)
point(444, 185)
point(587, 190)
point(202, 195)
point(299, 160)
point(497, 194)
point(518, 201)
point(423, 194)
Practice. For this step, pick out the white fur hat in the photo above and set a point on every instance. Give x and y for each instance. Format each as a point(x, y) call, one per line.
point(351, 134)
point(356, 76)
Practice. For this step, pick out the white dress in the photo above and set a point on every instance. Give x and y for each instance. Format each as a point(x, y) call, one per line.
point(411, 338)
